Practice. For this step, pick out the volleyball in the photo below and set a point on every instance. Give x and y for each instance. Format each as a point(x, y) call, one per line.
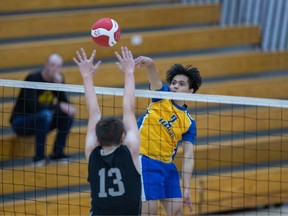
point(106, 32)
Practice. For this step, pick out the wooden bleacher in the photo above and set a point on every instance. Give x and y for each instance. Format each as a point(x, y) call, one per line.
point(243, 87)
point(14, 147)
point(154, 42)
point(220, 121)
point(34, 5)
point(250, 88)
point(243, 152)
point(211, 192)
point(220, 65)
point(246, 188)
point(217, 123)
point(233, 64)
point(74, 203)
point(81, 21)
point(238, 152)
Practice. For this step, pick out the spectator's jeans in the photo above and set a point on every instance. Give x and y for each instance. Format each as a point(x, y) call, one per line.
point(40, 124)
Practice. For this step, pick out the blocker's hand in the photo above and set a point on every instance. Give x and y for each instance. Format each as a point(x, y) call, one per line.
point(126, 61)
point(86, 66)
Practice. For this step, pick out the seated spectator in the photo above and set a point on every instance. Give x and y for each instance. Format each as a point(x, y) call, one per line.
point(38, 112)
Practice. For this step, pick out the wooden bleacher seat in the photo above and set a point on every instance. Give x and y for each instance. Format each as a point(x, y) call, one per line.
point(208, 155)
point(75, 203)
point(240, 152)
point(14, 6)
point(73, 22)
point(231, 64)
point(109, 102)
point(237, 152)
point(210, 65)
point(243, 87)
point(15, 147)
point(154, 42)
point(215, 192)
point(72, 203)
point(246, 188)
point(250, 87)
point(51, 177)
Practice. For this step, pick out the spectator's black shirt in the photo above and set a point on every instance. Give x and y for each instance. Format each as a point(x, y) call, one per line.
point(32, 100)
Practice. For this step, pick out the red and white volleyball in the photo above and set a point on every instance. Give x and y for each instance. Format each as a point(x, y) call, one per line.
point(106, 32)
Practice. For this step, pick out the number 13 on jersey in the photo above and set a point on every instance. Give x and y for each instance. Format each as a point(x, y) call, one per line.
point(115, 174)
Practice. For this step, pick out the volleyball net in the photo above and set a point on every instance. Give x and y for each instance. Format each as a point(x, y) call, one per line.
point(241, 153)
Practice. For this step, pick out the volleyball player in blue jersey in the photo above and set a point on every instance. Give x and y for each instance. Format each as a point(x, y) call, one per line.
point(112, 146)
point(164, 126)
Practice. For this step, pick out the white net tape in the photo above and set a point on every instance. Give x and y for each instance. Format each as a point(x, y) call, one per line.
point(222, 99)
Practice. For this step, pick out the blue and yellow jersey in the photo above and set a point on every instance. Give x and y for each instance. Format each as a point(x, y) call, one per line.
point(163, 126)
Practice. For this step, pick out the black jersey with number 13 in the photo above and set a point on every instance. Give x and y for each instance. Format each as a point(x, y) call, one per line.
point(115, 183)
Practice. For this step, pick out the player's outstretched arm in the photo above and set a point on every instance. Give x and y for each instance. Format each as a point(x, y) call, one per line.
point(88, 70)
point(151, 71)
point(132, 140)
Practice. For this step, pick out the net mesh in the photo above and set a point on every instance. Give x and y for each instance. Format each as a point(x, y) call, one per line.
point(241, 153)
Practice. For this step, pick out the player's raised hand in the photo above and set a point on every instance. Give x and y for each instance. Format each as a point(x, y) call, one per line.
point(86, 66)
point(125, 62)
point(143, 61)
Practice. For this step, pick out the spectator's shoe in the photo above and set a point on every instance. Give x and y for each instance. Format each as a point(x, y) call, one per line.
point(59, 158)
point(39, 161)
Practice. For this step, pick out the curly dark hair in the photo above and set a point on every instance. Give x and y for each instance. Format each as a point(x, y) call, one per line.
point(194, 77)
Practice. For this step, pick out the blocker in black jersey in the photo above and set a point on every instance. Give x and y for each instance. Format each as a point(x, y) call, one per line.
point(115, 183)
point(112, 145)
